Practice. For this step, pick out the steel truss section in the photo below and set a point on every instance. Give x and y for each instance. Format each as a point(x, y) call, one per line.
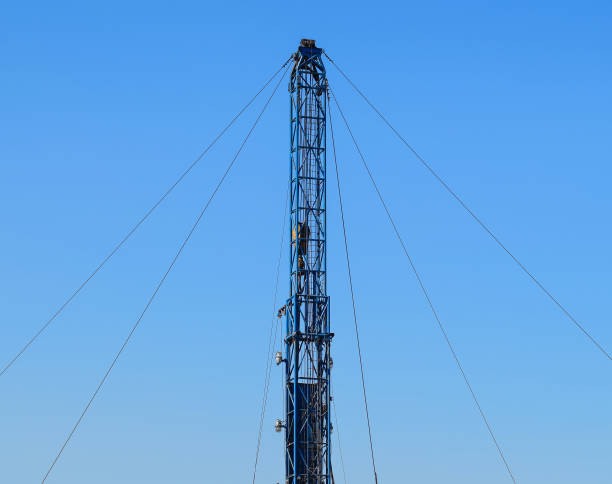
point(308, 336)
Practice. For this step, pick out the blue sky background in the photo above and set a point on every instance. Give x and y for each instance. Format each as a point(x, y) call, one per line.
point(104, 104)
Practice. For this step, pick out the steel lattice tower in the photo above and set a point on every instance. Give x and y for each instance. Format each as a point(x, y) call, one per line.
point(307, 344)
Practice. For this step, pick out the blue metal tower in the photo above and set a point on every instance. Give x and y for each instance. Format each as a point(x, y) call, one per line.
point(308, 336)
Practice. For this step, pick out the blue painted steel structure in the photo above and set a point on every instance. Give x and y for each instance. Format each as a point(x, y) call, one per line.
point(308, 336)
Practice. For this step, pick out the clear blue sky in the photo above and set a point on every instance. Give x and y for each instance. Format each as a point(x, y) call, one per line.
point(104, 104)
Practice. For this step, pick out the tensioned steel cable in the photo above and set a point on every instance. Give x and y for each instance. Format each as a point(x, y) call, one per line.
point(138, 224)
point(425, 293)
point(474, 216)
point(162, 280)
point(272, 340)
point(350, 277)
point(337, 427)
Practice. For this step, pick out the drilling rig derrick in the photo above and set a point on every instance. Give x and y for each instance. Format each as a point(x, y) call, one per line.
point(307, 357)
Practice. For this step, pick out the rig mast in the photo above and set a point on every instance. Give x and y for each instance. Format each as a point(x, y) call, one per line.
point(308, 337)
